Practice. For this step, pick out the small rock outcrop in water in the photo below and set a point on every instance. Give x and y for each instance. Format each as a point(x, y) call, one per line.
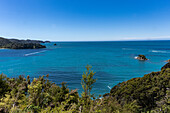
point(167, 60)
point(20, 44)
point(47, 42)
point(55, 44)
point(141, 57)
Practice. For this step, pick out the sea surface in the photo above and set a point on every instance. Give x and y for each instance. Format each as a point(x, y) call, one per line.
point(113, 62)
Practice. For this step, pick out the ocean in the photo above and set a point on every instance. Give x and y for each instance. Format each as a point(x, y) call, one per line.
point(113, 62)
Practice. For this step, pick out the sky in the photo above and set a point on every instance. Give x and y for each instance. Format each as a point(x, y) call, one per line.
point(85, 20)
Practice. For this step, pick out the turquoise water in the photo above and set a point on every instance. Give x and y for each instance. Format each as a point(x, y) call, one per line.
point(113, 62)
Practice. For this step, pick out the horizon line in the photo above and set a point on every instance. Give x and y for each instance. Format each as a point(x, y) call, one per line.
point(110, 40)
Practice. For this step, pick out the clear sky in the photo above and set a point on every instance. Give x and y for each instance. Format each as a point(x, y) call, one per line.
point(85, 20)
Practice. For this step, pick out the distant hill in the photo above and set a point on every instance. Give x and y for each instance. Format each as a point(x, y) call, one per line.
point(20, 44)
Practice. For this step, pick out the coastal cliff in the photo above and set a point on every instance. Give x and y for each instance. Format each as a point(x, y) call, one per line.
point(20, 44)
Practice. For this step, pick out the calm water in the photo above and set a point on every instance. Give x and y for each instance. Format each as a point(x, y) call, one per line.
point(113, 62)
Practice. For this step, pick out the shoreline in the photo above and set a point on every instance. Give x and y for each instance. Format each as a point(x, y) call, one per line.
point(4, 48)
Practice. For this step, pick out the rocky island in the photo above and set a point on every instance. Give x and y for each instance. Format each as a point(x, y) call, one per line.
point(20, 44)
point(141, 57)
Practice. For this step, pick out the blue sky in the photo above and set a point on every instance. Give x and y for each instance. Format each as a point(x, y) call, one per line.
point(85, 20)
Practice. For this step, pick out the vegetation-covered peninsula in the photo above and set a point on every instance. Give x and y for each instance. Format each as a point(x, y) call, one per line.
point(146, 94)
point(20, 44)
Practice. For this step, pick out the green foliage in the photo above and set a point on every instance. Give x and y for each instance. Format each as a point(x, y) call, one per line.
point(3, 85)
point(147, 94)
point(146, 91)
point(40, 94)
point(87, 85)
point(87, 82)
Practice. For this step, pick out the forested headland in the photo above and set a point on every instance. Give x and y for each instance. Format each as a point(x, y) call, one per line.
point(20, 44)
